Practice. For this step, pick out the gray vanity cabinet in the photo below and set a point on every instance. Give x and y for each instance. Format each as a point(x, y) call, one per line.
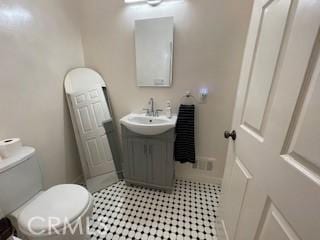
point(136, 157)
point(148, 160)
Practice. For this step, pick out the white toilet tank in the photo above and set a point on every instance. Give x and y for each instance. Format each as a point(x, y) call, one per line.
point(20, 179)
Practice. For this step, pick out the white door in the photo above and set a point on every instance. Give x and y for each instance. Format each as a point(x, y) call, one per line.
point(271, 186)
point(90, 111)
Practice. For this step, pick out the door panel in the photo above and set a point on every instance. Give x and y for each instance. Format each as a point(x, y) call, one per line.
point(156, 162)
point(137, 154)
point(93, 152)
point(90, 110)
point(273, 18)
point(302, 133)
point(275, 226)
point(160, 164)
point(84, 119)
point(236, 192)
point(277, 122)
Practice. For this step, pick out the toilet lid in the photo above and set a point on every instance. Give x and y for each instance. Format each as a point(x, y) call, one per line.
point(60, 203)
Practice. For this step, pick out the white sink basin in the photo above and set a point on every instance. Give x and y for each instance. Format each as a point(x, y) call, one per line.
point(142, 124)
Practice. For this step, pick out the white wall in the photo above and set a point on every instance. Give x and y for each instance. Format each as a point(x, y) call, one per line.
point(208, 46)
point(39, 43)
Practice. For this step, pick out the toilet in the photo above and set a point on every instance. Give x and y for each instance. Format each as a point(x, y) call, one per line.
point(59, 213)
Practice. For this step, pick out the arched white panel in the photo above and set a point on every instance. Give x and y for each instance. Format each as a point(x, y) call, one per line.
point(89, 109)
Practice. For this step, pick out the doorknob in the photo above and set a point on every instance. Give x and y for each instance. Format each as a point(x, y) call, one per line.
point(232, 134)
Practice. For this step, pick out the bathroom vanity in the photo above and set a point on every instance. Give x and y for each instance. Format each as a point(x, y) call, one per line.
point(148, 157)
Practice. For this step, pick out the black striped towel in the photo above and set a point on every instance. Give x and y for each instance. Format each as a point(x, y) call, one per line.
point(184, 147)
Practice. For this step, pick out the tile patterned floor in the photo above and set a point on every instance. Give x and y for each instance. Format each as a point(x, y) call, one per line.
point(124, 212)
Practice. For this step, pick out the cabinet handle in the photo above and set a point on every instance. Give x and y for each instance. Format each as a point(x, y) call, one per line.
point(150, 150)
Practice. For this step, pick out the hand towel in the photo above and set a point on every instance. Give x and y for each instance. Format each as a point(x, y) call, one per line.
point(184, 147)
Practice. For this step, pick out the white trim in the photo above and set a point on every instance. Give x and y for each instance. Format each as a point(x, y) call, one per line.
point(78, 180)
point(185, 171)
point(203, 158)
point(201, 179)
point(97, 183)
point(224, 230)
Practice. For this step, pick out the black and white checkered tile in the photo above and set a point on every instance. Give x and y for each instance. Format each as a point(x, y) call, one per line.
point(125, 212)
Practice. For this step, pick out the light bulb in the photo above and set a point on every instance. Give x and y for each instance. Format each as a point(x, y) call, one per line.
point(154, 2)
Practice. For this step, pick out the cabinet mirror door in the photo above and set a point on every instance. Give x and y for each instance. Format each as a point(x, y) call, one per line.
point(154, 52)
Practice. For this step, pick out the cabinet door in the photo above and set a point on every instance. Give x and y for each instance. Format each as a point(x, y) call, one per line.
point(136, 168)
point(160, 167)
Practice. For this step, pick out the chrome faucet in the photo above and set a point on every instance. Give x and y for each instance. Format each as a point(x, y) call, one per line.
point(151, 104)
point(151, 111)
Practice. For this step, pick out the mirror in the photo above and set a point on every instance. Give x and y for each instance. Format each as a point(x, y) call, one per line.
point(154, 52)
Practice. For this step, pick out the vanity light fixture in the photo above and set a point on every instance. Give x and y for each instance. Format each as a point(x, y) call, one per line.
point(150, 2)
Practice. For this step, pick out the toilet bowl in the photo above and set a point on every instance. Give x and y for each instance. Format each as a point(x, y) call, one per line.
point(60, 213)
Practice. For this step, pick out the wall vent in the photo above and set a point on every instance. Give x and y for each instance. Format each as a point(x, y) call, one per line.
point(204, 163)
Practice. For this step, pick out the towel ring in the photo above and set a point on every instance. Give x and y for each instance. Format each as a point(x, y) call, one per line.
point(188, 95)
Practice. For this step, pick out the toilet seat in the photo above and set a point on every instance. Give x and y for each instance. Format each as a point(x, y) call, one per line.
point(65, 202)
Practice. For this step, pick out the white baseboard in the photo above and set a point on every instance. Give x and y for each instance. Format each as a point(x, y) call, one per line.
point(78, 180)
point(201, 179)
point(226, 237)
point(203, 158)
point(97, 183)
point(186, 172)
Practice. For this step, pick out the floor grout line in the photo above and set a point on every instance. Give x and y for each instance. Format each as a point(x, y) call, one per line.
point(128, 212)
